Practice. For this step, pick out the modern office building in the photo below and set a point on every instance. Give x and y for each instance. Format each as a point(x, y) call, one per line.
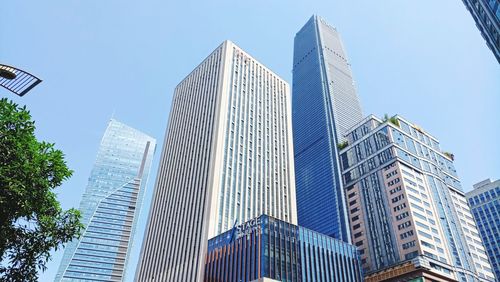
point(486, 14)
point(484, 201)
point(407, 210)
point(227, 158)
point(268, 248)
point(110, 207)
point(325, 105)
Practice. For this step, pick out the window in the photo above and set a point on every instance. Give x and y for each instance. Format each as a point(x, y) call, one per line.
point(396, 199)
point(408, 245)
point(402, 215)
point(411, 255)
point(419, 216)
point(406, 234)
point(412, 190)
point(397, 189)
point(400, 207)
point(417, 207)
point(425, 234)
point(408, 174)
point(392, 173)
point(392, 182)
point(430, 255)
point(415, 199)
point(422, 225)
point(428, 245)
point(404, 225)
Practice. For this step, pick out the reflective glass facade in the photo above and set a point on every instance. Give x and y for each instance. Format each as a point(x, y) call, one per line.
point(484, 201)
point(266, 247)
point(110, 206)
point(405, 202)
point(486, 14)
point(324, 106)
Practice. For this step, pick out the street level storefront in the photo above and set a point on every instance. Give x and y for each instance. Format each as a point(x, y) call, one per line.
point(266, 247)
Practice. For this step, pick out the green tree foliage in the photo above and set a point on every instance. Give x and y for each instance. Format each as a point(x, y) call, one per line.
point(342, 145)
point(392, 120)
point(32, 222)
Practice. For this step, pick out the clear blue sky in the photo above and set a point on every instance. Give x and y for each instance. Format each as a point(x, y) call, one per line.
point(425, 60)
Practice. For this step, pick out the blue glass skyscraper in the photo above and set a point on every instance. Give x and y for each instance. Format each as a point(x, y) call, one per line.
point(486, 14)
point(110, 207)
point(484, 202)
point(324, 106)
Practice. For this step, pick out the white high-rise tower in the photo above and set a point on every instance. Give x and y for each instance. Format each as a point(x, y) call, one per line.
point(227, 158)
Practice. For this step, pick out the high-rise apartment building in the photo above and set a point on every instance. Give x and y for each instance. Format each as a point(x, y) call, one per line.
point(110, 207)
point(486, 14)
point(484, 201)
point(407, 210)
point(267, 248)
point(325, 105)
point(227, 158)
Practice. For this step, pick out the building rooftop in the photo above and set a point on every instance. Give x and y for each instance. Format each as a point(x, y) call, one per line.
point(483, 186)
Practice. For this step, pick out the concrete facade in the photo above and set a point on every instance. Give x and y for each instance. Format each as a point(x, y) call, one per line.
point(405, 202)
point(227, 158)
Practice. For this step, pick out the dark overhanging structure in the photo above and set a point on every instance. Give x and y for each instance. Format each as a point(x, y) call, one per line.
point(16, 80)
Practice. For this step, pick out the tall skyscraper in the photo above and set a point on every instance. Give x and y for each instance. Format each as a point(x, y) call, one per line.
point(484, 201)
point(110, 207)
point(227, 158)
point(325, 105)
point(486, 14)
point(407, 210)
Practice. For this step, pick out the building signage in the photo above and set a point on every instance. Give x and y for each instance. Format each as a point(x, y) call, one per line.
point(248, 227)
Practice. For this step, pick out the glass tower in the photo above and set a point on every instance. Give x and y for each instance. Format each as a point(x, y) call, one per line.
point(486, 14)
point(325, 105)
point(110, 207)
point(484, 201)
point(227, 158)
point(406, 205)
